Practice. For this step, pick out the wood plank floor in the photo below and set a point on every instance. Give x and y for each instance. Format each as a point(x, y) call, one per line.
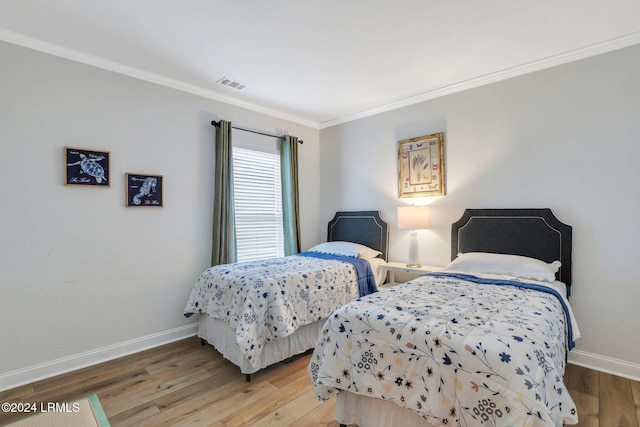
point(186, 384)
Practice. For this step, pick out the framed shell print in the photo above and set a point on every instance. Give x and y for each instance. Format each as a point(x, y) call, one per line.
point(421, 166)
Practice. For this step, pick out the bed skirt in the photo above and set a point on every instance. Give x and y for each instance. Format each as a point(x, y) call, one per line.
point(368, 411)
point(220, 335)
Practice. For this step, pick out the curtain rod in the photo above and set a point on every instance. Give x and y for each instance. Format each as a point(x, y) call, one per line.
point(217, 124)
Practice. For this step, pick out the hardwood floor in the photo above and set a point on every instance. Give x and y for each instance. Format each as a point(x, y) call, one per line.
point(603, 399)
point(187, 384)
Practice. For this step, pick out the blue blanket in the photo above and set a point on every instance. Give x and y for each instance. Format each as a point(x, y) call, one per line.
point(366, 279)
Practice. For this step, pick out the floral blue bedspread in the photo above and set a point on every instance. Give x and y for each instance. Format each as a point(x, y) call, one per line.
point(456, 351)
point(269, 299)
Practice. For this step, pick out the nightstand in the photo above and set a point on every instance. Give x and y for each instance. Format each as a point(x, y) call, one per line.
point(401, 267)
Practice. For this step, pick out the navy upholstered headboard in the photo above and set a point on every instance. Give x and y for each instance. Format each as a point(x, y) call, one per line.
point(364, 227)
point(535, 233)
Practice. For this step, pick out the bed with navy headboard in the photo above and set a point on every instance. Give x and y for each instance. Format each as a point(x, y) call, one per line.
point(482, 342)
point(259, 313)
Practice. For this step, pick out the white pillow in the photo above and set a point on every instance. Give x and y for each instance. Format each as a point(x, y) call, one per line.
point(351, 249)
point(512, 265)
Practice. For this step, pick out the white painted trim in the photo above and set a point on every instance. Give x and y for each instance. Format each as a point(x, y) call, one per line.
point(47, 47)
point(77, 361)
point(589, 51)
point(605, 364)
point(116, 67)
point(67, 364)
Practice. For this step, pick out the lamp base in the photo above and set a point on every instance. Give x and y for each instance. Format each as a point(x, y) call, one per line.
point(413, 250)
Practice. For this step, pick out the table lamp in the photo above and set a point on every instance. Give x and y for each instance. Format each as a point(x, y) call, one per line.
point(413, 218)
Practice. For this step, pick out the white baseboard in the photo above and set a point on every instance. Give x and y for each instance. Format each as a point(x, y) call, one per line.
point(66, 364)
point(605, 364)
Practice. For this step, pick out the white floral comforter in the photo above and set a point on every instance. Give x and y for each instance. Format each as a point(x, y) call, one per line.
point(269, 299)
point(457, 352)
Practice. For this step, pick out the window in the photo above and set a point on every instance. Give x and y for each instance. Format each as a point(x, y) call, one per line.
point(258, 204)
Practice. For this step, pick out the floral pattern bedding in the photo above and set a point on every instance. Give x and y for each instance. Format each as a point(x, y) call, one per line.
point(269, 299)
point(457, 350)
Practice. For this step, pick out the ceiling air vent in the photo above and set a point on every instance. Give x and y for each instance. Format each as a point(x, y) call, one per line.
point(231, 83)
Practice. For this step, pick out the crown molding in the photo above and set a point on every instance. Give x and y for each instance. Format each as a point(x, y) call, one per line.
point(74, 55)
point(542, 64)
point(564, 58)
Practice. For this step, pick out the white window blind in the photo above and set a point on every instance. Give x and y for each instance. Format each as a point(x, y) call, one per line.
point(258, 204)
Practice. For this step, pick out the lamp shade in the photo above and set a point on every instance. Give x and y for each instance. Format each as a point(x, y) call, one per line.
point(413, 217)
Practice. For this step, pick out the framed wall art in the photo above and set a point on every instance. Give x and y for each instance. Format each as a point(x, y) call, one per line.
point(86, 167)
point(143, 190)
point(421, 166)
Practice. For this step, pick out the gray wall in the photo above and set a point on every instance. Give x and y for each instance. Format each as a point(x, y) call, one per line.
point(79, 271)
point(83, 277)
point(565, 138)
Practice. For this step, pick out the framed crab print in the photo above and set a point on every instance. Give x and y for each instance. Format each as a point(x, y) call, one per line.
point(143, 190)
point(421, 166)
point(86, 167)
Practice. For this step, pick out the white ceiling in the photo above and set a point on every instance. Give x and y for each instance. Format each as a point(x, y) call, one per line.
point(322, 62)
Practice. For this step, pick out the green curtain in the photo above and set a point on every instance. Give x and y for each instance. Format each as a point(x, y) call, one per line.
point(290, 199)
point(224, 227)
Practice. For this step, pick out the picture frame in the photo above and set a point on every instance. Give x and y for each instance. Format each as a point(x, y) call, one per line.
point(421, 166)
point(87, 167)
point(143, 191)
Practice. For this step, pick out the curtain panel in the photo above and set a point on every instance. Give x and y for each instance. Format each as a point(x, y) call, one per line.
point(290, 194)
point(224, 229)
